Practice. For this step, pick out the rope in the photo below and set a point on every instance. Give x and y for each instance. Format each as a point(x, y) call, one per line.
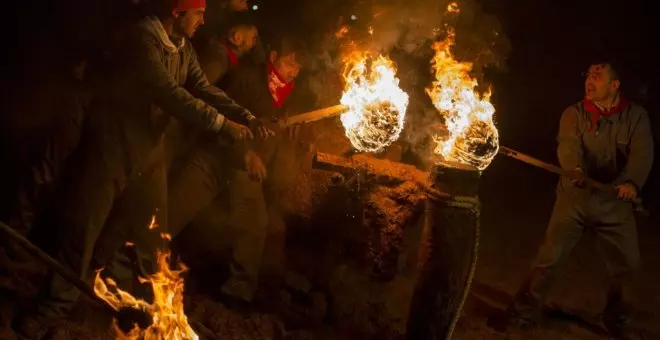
point(472, 204)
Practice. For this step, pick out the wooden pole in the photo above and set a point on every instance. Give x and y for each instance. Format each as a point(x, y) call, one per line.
point(560, 171)
point(55, 266)
point(312, 116)
point(382, 170)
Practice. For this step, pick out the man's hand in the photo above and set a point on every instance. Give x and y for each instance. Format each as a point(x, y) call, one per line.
point(259, 128)
point(578, 177)
point(626, 191)
point(236, 132)
point(255, 167)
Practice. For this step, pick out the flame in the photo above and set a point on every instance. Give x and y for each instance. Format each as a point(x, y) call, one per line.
point(341, 32)
point(152, 224)
point(472, 136)
point(453, 7)
point(169, 319)
point(377, 106)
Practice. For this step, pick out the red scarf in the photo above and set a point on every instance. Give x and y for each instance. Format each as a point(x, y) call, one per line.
point(279, 89)
point(597, 112)
point(233, 58)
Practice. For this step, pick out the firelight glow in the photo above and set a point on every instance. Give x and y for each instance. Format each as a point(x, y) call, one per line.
point(377, 105)
point(472, 136)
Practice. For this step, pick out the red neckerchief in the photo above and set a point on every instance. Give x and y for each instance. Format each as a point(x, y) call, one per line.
point(279, 89)
point(596, 112)
point(233, 59)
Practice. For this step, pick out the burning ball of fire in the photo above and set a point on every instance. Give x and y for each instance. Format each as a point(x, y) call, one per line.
point(472, 136)
point(377, 106)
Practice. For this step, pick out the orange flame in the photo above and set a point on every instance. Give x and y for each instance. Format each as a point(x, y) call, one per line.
point(377, 106)
point(472, 136)
point(169, 319)
point(453, 8)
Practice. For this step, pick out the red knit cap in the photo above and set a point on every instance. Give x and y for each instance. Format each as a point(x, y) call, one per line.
point(185, 5)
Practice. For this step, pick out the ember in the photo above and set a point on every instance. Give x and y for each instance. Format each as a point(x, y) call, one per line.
point(377, 106)
point(472, 136)
point(169, 319)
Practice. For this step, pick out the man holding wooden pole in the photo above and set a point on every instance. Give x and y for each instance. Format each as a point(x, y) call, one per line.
point(608, 139)
point(264, 89)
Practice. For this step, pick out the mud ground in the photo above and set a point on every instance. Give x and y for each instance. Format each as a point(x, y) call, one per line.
point(517, 201)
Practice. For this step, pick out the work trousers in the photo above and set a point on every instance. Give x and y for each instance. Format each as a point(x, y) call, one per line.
point(574, 212)
point(45, 170)
point(194, 195)
point(107, 186)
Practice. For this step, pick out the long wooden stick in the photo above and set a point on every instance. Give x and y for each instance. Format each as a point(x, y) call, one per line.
point(54, 265)
point(312, 116)
point(560, 171)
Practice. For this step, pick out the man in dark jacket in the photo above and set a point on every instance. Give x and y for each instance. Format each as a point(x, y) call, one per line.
point(606, 138)
point(61, 108)
point(264, 90)
point(221, 52)
point(134, 138)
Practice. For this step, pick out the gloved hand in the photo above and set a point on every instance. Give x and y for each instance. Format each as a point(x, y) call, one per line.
point(260, 128)
point(235, 131)
point(255, 167)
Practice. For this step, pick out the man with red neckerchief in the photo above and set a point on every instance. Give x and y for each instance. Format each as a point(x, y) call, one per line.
point(606, 138)
point(251, 208)
point(223, 51)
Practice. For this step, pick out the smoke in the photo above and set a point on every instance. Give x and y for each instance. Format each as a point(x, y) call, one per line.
point(404, 30)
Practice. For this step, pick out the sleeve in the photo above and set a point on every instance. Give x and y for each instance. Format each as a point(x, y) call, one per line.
point(201, 88)
point(213, 61)
point(167, 93)
point(570, 150)
point(640, 158)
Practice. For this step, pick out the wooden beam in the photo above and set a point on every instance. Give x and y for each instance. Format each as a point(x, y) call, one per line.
point(380, 170)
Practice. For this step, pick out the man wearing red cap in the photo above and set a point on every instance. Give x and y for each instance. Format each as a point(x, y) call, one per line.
point(159, 98)
point(609, 139)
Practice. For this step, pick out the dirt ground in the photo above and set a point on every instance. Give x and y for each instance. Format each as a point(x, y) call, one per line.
point(516, 202)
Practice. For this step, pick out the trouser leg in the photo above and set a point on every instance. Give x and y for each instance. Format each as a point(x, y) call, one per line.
point(564, 231)
point(130, 221)
point(198, 183)
point(618, 243)
point(83, 216)
point(39, 178)
point(248, 220)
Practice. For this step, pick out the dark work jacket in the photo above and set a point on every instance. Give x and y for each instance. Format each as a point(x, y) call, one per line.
point(162, 80)
point(248, 85)
point(214, 59)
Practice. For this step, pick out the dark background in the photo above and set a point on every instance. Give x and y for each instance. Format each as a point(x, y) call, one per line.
point(552, 43)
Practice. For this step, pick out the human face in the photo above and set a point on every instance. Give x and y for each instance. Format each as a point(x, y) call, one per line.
point(245, 39)
point(599, 85)
point(186, 23)
point(287, 66)
point(238, 5)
